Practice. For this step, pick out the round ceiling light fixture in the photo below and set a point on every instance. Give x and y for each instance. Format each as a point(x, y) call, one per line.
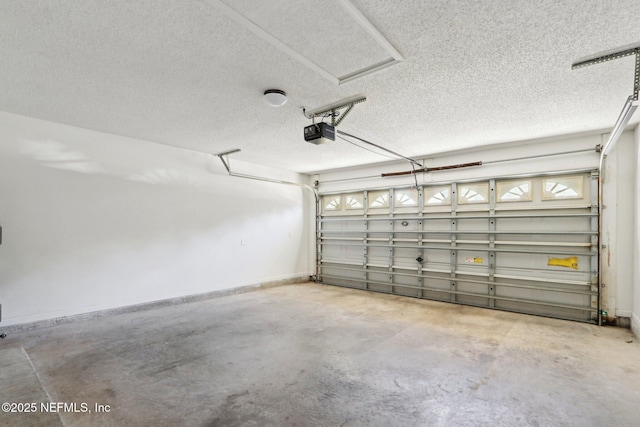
point(275, 97)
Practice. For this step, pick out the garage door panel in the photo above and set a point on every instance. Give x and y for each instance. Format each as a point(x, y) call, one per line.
point(435, 223)
point(544, 259)
point(472, 238)
point(577, 286)
point(381, 277)
point(472, 300)
point(406, 258)
point(436, 256)
point(470, 224)
point(405, 291)
point(335, 251)
point(435, 296)
point(469, 285)
point(342, 271)
point(378, 225)
point(408, 285)
point(380, 288)
point(476, 261)
point(543, 310)
point(527, 245)
point(406, 221)
point(378, 256)
point(546, 294)
point(559, 242)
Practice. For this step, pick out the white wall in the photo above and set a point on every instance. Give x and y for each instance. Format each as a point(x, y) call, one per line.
point(619, 190)
point(94, 221)
point(618, 196)
point(635, 317)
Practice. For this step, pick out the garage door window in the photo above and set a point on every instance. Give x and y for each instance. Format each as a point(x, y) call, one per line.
point(438, 196)
point(568, 187)
point(406, 198)
point(514, 191)
point(354, 201)
point(331, 203)
point(473, 193)
point(378, 199)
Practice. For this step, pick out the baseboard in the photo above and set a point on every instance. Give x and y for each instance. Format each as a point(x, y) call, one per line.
point(635, 324)
point(29, 326)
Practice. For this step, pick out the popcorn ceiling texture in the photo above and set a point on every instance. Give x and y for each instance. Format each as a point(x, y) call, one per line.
point(185, 74)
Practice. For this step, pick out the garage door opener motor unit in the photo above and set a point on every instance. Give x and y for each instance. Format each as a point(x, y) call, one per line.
point(319, 133)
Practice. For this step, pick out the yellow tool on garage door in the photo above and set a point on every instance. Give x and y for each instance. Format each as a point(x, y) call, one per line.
point(571, 262)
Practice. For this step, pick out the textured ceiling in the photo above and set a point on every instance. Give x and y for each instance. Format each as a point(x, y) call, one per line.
point(186, 74)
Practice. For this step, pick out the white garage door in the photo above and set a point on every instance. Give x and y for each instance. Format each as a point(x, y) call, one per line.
point(527, 245)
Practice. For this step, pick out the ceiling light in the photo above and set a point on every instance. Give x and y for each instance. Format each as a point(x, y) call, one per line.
point(275, 97)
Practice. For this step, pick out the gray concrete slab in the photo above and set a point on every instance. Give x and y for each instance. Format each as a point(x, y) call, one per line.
point(24, 401)
point(314, 355)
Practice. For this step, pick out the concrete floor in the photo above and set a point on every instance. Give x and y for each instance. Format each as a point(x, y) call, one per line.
point(313, 355)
